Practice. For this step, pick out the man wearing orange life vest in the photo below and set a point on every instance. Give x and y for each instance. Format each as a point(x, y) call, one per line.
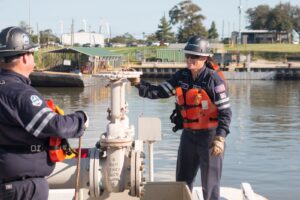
point(203, 104)
point(26, 122)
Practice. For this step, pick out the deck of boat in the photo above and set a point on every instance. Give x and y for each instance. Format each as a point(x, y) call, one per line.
point(163, 191)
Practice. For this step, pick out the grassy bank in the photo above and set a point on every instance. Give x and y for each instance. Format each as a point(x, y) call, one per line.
point(276, 48)
point(274, 52)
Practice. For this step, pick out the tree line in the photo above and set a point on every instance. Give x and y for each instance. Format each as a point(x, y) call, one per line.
point(187, 18)
point(283, 18)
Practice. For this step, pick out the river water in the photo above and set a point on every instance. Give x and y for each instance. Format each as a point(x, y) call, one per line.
point(263, 147)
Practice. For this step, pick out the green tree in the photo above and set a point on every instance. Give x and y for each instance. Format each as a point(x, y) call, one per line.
point(164, 33)
point(279, 20)
point(258, 17)
point(126, 38)
point(295, 12)
point(212, 32)
point(187, 15)
point(151, 38)
point(23, 25)
point(283, 18)
point(47, 36)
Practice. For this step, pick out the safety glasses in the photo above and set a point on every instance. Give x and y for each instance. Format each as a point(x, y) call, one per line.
point(193, 57)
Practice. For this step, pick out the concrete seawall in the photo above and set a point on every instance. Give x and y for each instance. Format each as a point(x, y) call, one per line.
point(257, 73)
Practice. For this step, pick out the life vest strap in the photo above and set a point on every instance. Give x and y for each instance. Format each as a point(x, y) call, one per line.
point(190, 120)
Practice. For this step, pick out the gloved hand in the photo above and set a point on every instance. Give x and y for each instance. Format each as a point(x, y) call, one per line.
point(58, 110)
point(218, 145)
point(86, 118)
point(134, 81)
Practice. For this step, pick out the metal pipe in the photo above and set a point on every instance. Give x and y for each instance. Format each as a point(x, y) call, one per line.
point(150, 151)
point(63, 176)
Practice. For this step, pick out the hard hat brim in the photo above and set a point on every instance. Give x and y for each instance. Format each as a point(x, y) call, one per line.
point(7, 53)
point(197, 53)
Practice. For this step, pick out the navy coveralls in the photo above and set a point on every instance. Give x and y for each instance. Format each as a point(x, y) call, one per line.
point(26, 123)
point(194, 149)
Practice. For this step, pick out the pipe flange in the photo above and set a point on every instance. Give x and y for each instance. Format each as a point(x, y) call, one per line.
point(136, 173)
point(119, 143)
point(95, 173)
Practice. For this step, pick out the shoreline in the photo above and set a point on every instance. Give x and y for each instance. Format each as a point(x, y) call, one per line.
point(252, 64)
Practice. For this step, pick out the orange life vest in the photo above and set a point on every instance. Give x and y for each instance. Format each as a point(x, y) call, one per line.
point(212, 65)
point(197, 109)
point(57, 145)
point(59, 148)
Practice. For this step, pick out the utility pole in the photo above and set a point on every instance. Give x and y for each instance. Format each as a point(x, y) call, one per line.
point(61, 30)
point(72, 33)
point(38, 33)
point(84, 25)
point(222, 30)
point(245, 9)
point(29, 26)
point(240, 18)
point(90, 34)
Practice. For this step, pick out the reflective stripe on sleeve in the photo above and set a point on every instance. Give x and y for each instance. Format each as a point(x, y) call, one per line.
point(171, 88)
point(36, 118)
point(222, 101)
point(224, 106)
point(168, 88)
point(44, 123)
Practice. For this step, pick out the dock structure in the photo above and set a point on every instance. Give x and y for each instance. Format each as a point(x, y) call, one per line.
point(165, 70)
point(61, 79)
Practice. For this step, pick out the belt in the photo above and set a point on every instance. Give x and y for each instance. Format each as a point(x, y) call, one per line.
point(34, 148)
point(8, 180)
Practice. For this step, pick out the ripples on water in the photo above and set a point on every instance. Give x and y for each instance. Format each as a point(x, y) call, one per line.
point(262, 148)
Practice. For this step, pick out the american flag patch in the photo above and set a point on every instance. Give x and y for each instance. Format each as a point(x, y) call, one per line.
point(223, 95)
point(220, 88)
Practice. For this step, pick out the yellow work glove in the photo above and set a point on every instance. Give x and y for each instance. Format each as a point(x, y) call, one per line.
point(218, 145)
point(58, 110)
point(134, 81)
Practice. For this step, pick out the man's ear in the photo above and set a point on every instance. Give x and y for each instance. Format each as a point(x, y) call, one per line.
point(25, 58)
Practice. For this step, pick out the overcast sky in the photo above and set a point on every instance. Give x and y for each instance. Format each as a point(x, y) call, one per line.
point(132, 16)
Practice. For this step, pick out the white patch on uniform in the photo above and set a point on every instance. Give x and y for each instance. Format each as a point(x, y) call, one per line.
point(185, 86)
point(8, 186)
point(220, 88)
point(36, 101)
point(204, 105)
point(223, 95)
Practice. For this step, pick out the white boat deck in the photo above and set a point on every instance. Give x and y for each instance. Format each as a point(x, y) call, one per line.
point(163, 191)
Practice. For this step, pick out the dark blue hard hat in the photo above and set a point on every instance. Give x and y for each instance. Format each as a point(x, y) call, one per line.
point(15, 41)
point(197, 45)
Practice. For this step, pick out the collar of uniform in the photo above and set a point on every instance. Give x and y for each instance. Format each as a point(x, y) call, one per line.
point(201, 71)
point(18, 77)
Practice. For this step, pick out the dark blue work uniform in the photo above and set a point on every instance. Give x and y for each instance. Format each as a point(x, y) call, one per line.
point(194, 149)
point(26, 123)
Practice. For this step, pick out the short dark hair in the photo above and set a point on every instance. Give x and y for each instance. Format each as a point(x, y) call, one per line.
point(9, 59)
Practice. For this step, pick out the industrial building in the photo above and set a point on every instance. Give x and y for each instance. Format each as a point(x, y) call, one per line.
point(83, 39)
point(266, 36)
